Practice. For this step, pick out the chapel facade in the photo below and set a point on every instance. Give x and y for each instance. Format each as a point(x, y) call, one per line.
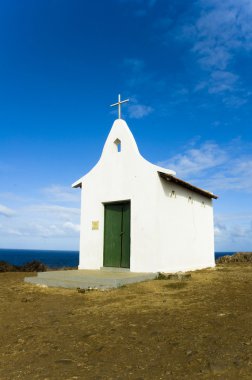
point(140, 217)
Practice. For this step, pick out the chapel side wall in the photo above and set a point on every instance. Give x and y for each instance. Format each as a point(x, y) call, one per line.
point(186, 231)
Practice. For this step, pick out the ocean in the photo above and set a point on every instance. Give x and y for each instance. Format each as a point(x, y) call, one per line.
point(53, 259)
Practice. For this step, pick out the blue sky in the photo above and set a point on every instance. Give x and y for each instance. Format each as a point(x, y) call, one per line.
point(185, 65)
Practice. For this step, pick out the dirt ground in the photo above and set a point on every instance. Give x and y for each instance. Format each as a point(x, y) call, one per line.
point(161, 329)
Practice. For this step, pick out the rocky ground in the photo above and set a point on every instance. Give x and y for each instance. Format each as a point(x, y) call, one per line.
point(33, 266)
point(239, 257)
point(198, 328)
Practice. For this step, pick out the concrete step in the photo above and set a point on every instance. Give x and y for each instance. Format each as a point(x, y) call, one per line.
point(63, 283)
point(112, 269)
point(85, 279)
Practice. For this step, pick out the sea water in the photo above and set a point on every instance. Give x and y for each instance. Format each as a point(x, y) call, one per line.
point(53, 258)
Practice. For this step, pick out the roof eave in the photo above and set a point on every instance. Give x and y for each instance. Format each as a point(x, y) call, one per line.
point(77, 184)
point(171, 178)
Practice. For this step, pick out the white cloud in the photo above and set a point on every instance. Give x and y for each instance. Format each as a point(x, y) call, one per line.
point(233, 234)
point(41, 228)
point(14, 231)
point(138, 111)
point(12, 197)
point(49, 209)
point(222, 81)
point(218, 230)
point(215, 33)
point(6, 211)
point(62, 193)
point(215, 167)
point(234, 174)
point(221, 28)
point(53, 230)
point(41, 220)
point(196, 160)
point(71, 226)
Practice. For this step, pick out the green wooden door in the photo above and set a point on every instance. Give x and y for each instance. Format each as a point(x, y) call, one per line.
point(117, 235)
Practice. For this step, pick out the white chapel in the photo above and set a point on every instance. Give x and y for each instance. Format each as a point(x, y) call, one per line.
point(140, 217)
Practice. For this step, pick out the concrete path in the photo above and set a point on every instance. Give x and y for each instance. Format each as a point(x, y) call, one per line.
point(86, 279)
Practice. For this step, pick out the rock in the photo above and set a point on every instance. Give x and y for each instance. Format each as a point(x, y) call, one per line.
point(64, 361)
point(27, 299)
point(33, 266)
point(239, 257)
point(80, 290)
point(6, 267)
point(184, 276)
point(174, 276)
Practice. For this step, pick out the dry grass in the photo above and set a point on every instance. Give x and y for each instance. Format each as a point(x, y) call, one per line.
point(198, 329)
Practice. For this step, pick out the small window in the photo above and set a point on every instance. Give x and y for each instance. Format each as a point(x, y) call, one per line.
point(118, 144)
point(173, 194)
point(190, 200)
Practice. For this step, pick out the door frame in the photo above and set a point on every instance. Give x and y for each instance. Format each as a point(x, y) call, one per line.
point(114, 203)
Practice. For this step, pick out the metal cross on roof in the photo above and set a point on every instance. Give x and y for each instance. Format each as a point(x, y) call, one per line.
point(119, 105)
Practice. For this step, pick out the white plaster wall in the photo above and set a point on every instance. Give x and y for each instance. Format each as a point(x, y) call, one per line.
point(167, 234)
point(186, 233)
